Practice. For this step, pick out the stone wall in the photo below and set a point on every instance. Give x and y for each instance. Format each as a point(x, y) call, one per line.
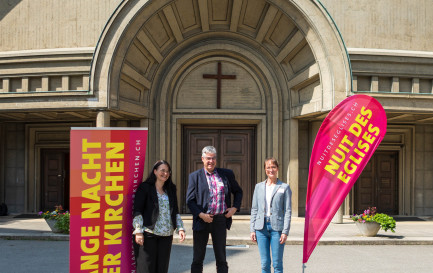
point(44, 24)
point(384, 24)
point(424, 170)
point(392, 71)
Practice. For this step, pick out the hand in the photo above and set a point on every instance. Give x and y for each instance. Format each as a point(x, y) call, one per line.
point(139, 238)
point(182, 235)
point(253, 237)
point(206, 217)
point(283, 238)
point(230, 212)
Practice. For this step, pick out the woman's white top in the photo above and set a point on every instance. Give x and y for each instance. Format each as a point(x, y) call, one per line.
point(269, 190)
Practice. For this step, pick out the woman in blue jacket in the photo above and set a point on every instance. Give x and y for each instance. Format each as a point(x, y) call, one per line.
point(156, 216)
point(271, 213)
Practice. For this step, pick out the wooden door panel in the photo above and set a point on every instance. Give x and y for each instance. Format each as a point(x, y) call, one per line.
point(386, 188)
point(52, 180)
point(366, 192)
point(236, 156)
point(239, 168)
point(198, 140)
point(365, 188)
point(235, 150)
point(234, 145)
point(377, 185)
point(369, 167)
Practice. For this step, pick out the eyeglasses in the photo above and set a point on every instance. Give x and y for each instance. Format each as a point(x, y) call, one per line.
point(165, 171)
point(210, 158)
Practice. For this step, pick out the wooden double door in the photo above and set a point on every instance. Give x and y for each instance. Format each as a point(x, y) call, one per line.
point(235, 150)
point(377, 186)
point(54, 179)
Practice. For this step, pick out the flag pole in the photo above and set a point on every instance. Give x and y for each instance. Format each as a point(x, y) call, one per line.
point(303, 267)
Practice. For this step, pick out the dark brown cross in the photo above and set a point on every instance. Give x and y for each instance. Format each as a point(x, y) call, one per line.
point(219, 77)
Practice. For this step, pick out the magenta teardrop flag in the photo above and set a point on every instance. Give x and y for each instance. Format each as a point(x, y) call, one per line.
point(346, 140)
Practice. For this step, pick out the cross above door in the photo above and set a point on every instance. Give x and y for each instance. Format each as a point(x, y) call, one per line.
point(219, 76)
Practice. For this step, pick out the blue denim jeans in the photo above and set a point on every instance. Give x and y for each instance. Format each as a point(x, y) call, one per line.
point(269, 240)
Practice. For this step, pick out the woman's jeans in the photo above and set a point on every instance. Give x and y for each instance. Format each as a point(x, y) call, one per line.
point(269, 239)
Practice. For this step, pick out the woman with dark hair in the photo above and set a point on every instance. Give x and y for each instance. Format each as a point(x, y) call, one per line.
point(156, 216)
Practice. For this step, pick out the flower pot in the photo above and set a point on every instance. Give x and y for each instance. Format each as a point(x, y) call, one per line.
point(368, 229)
point(51, 223)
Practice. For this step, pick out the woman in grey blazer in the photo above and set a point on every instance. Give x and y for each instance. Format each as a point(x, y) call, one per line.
point(271, 213)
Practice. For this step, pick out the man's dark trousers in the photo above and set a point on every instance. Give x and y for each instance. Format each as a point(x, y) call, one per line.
point(218, 230)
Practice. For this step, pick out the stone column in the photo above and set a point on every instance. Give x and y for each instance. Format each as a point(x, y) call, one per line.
point(6, 84)
point(415, 85)
point(338, 217)
point(374, 84)
point(148, 163)
point(293, 168)
point(395, 88)
point(144, 122)
point(103, 119)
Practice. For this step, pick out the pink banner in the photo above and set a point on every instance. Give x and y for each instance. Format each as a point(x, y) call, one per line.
point(347, 139)
point(106, 169)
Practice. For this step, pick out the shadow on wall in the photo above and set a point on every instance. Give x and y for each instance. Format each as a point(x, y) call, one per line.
point(6, 6)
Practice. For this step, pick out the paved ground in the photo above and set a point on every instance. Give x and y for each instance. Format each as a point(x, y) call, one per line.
point(23, 256)
point(407, 232)
point(28, 245)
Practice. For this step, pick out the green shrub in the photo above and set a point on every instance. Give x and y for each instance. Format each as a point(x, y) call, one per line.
point(386, 222)
point(62, 218)
point(63, 222)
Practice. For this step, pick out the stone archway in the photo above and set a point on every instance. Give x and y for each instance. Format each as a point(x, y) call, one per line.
point(292, 48)
point(185, 98)
point(142, 37)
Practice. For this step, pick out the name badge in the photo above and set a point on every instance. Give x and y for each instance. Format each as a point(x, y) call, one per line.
point(280, 190)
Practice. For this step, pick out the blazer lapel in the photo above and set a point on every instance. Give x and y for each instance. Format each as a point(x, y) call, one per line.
point(204, 186)
point(262, 190)
point(153, 195)
point(277, 186)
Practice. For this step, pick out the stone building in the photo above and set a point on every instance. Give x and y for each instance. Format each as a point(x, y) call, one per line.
point(255, 78)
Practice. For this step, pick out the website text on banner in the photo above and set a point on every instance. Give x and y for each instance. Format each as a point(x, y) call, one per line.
point(346, 140)
point(106, 168)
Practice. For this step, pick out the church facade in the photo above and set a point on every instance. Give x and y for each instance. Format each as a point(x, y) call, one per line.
point(254, 78)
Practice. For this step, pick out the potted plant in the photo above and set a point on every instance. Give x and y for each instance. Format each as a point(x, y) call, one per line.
point(57, 220)
point(370, 222)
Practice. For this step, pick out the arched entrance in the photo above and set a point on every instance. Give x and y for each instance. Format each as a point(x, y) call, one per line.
point(249, 103)
point(287, 58)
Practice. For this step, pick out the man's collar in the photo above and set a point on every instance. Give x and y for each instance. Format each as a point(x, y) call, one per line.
point(208, 173)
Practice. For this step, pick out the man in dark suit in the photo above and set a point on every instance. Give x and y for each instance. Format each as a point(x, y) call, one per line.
point(209, 199)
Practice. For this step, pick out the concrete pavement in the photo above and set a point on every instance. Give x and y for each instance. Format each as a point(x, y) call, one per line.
point(19, 256)
point(409, 231)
